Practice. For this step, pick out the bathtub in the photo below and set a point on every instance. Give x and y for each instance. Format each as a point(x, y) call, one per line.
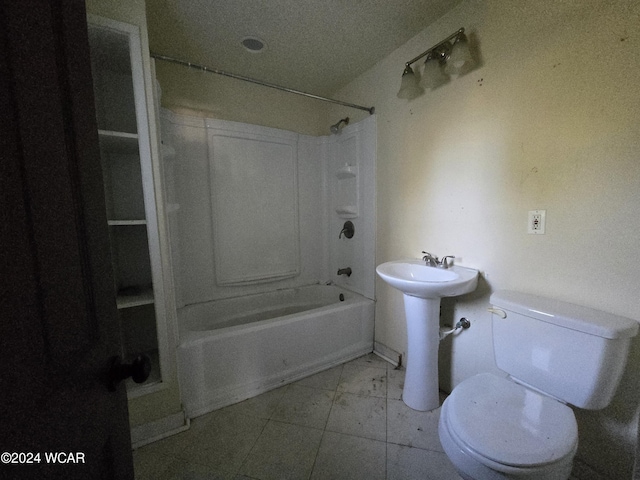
point(234, 349)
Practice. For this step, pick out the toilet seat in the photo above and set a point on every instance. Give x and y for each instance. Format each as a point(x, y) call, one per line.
point(509, 424)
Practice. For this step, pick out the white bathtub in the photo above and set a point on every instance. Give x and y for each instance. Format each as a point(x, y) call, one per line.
point(234, 349)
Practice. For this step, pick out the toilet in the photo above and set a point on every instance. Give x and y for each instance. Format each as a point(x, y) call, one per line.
point(520, 426)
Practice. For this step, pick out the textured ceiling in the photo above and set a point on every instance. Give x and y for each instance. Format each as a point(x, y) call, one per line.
point(316, 46)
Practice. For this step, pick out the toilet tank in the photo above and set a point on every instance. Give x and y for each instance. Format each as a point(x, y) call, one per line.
point(573, 353)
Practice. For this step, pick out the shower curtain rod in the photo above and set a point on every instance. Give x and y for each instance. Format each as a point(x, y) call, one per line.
point(371, 110)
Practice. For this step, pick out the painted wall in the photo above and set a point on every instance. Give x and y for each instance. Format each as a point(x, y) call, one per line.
point(549, 120)
point(191, 92)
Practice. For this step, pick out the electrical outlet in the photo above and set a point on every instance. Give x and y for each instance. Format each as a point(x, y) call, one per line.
point(536, 225)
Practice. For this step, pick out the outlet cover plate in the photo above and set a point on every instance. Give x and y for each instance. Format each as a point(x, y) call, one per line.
point(537, 222)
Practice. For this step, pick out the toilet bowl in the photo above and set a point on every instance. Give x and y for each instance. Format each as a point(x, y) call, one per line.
point(493, 428)
point(555, 354)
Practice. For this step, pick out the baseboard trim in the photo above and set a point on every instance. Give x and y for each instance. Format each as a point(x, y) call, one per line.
point(387, 354)
point(157, 430)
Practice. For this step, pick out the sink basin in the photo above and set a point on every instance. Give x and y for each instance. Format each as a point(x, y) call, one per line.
point(413, 277)
point(423, 287)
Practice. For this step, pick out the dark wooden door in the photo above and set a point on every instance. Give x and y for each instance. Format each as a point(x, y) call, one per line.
point(58, 319)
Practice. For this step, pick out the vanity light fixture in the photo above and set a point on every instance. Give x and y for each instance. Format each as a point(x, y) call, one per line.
point(443, 59)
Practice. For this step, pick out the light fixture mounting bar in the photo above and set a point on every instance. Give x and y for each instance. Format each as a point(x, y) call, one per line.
point(428, 51)
point(217, 71)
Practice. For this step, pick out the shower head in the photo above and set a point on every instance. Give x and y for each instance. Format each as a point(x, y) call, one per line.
point(336, 128)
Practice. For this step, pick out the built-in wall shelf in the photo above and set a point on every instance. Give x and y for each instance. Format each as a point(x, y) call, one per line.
point(345, 191)
point(124, 223)
point(347, 211)
point(118, 142)
point(348, 171)
point(127, 172)
point(144, 297)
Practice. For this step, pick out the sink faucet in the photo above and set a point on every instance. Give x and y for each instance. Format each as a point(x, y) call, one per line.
point(432, 260)
point(444, 263)
point(429, 259)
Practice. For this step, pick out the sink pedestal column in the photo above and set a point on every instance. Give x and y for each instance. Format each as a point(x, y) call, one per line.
point(423, 328)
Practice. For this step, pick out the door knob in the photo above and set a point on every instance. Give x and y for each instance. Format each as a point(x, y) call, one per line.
point(138, 370)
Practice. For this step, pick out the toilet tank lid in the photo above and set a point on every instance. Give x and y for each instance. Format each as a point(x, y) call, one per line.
point(568, 315)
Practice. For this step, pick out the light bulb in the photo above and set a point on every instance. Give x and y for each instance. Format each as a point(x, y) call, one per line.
point(432, 75)
point(460, 58)
point(409, 87)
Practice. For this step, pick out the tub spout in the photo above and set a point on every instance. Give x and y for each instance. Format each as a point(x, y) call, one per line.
point(345, 271)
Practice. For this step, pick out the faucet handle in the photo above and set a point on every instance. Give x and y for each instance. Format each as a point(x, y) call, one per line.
point(430, 260)
point(444, 263)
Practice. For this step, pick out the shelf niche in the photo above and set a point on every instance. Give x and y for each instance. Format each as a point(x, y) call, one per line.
point(130, 202)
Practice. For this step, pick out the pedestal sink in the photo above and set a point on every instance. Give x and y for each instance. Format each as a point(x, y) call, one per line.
point(423, 287)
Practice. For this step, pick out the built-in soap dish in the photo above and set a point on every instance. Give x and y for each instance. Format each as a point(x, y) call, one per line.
point(348, 171)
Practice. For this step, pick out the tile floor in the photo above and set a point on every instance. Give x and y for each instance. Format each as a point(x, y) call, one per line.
point(344, 423)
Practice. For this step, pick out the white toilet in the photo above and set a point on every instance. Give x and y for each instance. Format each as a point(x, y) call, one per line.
point(555, 354)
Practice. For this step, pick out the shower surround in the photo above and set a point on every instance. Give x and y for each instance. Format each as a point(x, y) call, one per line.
point(258, 211)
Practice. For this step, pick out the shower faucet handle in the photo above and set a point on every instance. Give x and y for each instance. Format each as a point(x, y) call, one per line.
point(348, 230)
